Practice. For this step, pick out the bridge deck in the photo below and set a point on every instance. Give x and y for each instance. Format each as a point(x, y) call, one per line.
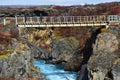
point(60, 24)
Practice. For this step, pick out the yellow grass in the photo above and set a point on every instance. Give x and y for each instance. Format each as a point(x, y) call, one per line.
point(3, 57)
point(5, 52)
point(105, 30)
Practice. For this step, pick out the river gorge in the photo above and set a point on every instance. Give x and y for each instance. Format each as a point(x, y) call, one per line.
point(54, 72)
point(85, 53)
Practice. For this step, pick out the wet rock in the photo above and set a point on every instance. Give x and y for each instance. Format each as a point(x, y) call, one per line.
point(82, 74)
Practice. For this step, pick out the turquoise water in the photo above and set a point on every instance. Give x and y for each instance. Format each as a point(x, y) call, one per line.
point(54, 72)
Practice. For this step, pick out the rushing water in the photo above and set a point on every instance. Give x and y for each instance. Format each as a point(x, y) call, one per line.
point(55, 72)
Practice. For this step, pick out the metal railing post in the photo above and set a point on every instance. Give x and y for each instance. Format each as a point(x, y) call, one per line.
point(16, 21)
point(4, 21)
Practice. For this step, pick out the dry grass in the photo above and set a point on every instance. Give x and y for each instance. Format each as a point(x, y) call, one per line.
point(5, 36)
point(3, 57)
point(80, 33)
point(5, 52)
point(117, 60)
point(105, 30)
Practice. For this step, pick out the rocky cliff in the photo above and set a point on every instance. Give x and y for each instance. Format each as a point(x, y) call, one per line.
point(19, 66)
point(103, 62)
point(58, 45)
point(104, 57)
point(17, 60)
point(93, 52)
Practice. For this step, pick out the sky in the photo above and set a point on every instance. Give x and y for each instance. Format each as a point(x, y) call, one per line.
point(52, 2)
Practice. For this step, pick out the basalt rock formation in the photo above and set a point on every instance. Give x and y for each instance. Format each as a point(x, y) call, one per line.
point(103, 60)
point(104, 56)
point(19, 65)
point(94, 52)
point(17, 59)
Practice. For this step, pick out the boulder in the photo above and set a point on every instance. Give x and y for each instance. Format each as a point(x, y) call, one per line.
point(74, 63)
point(63, 49)
point(106, 42)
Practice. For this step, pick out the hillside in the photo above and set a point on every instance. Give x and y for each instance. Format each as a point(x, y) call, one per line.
point(111, 8)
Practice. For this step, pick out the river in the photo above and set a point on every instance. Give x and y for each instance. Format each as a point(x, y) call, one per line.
point(54, 72)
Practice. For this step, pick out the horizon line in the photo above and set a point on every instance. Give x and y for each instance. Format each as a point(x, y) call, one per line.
point(28, 5)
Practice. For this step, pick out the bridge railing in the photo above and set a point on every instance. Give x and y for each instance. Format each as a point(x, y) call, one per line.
point(113, 18)
point(63, 19)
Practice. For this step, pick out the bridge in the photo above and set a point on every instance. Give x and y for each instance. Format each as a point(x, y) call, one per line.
point(68, 21)
point(62, 21)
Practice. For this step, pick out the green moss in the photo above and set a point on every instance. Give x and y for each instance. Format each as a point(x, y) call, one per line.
point(3, 57)
point(19, 52)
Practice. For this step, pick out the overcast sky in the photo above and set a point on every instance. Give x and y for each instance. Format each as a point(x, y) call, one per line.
point(52, 2)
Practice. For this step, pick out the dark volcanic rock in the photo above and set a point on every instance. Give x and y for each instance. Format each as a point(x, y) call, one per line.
point(24, 12)
point(63, 49)
point(74, 63)
point(115, 71)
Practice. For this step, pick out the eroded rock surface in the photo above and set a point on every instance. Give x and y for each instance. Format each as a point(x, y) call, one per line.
point(19, 66)
point(106, 42)
point(115, 71)
point(63, 49)
point(17, 60)
point(103, 56)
